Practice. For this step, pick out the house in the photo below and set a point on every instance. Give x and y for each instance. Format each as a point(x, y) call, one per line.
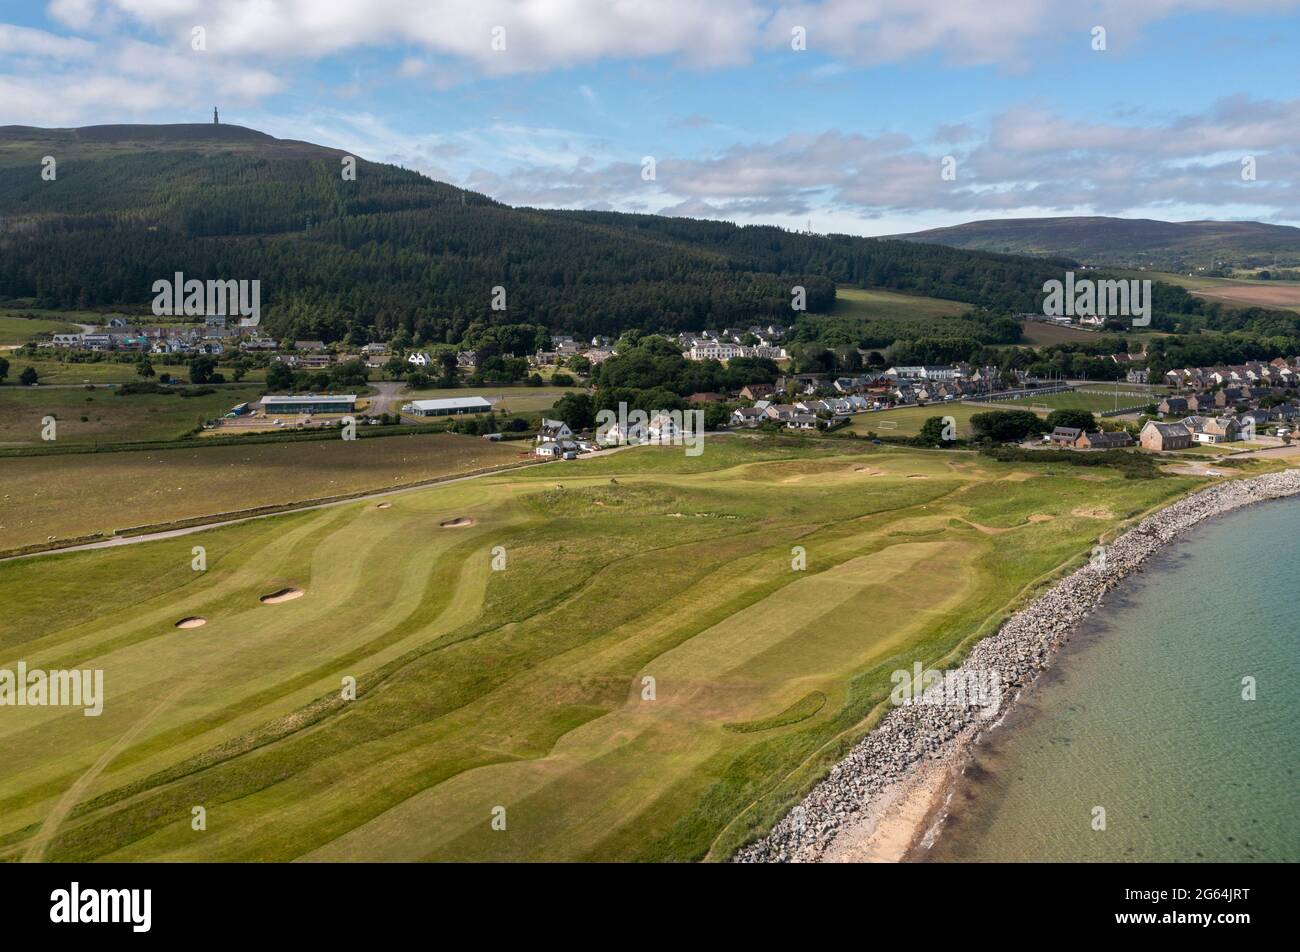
point(664, 429)
point(705, 398)
point(310, 346)
point(549, 450)
point(1104, 441)
point(467, 360)
point(1201, 402)
point(1065, 435)
point(1172, 406)
point(781, 412)
point(1204, 429)
point(1164, 436)
point(746, 416)
point(552, 431)
point(375, 349)
point(757, 391)
point(452, 406)
point(1254, 418)
point(419, 359)
point(617, 434)
point(802, 421)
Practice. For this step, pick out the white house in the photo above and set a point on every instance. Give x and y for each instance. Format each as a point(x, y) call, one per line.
point(664, 429)
point(553, 430)
point(417, 359)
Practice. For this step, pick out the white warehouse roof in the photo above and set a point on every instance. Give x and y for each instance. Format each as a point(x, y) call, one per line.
point(452, 403)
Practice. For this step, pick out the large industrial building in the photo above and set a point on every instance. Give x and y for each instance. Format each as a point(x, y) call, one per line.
point(309, 403)
point(447, 407)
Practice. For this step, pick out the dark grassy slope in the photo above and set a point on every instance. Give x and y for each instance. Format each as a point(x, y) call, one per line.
point(395, 249)
point(1127, 241)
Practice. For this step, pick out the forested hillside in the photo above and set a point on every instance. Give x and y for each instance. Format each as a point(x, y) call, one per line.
point(393, 249)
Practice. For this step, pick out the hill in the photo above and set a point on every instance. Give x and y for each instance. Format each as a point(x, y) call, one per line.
point(394, 249)
point(1128, 242)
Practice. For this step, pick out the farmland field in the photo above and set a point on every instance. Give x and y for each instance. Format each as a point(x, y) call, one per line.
point(523, 688)
point(68, 496)
point(109, 416)
point(858, 302)
point(1043, 334)
point(19, 330)
point(106, 371)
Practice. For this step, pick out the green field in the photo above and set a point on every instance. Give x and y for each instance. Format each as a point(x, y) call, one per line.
point(105, 371)
point(71, 496)
point(907, 421)
point(1097, 398)
point(19, 330)
point(504, 399)
point(522, 688)
point(108, 416)
point(857, 302)
point(1043, 334)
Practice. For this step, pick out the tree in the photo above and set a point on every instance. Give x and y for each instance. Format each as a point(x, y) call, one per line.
point(932, 432)
point(1077, 419)
point(144, 368)
point(575, 409)
point(1004, 426)
point(4, 368)
point(201, 368)
point(279, 377)
point(28, 377)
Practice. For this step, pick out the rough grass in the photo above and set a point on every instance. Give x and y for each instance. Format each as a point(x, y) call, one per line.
point(526, 687)
point(76, 495)
point(109, 416)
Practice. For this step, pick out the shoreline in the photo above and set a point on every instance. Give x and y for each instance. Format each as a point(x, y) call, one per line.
point(888, 796)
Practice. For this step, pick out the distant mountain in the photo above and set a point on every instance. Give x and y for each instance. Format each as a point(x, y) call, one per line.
point(1128, 242)
point(128, 205)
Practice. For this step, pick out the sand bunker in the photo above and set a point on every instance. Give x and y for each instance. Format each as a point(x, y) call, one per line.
point(283, 595)
point(458, 523)
point(384, 505)
point(194, 621)
point(1093, 513)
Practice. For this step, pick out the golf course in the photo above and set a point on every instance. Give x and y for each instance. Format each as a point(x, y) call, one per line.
point(640, 656)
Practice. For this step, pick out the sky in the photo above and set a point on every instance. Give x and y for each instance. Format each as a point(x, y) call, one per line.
point(864, 117)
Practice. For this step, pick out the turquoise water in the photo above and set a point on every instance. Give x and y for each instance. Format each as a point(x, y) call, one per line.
point(1142, 714)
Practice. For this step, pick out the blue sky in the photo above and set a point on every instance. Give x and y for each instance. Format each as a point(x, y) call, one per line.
point(849, 133)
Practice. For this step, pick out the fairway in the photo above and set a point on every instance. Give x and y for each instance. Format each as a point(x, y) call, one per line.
point(618, 651)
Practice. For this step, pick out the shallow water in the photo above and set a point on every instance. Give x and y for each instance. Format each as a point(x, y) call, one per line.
point(1142, 714)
